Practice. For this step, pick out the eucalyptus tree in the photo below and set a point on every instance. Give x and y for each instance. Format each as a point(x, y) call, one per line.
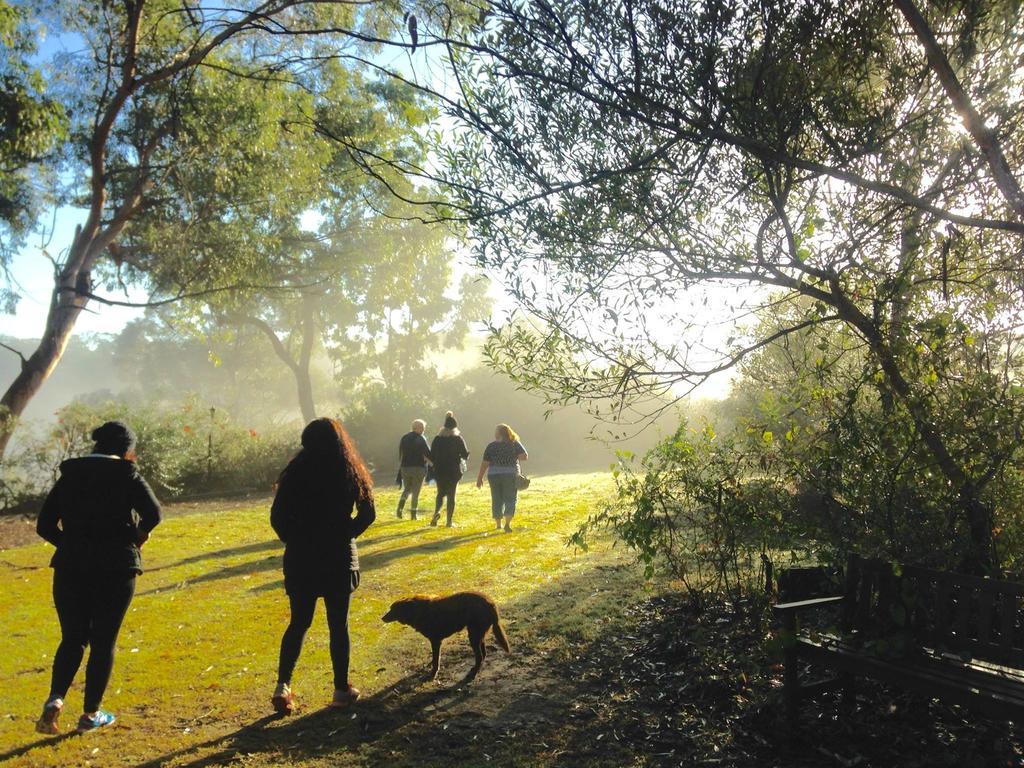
point(332, 262)
point(158, 88)
point(377, 297)
point(647, 173)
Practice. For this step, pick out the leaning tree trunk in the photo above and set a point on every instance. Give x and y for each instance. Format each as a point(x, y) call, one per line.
point(979, 558)
point(72, 285)
point(70, 295)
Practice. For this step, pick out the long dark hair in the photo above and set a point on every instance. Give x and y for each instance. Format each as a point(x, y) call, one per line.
point(327, 447)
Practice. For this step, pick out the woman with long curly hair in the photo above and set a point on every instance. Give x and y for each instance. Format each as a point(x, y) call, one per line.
point(312, 515)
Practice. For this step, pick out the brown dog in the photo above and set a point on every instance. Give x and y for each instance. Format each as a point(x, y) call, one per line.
point(439, 617)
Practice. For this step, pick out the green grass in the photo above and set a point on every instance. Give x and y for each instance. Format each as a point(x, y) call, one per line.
point(197, 655)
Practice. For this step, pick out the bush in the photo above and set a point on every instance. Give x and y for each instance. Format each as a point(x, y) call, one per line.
point(184, 451)
point(705, 507)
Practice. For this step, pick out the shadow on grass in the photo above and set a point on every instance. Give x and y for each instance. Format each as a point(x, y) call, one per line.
point(510, 711)
point(321, 731)
point(374, 560)
point(371, 561)
point(368, 562)
point(375, 539)
point(49, 741)
point(244, 549)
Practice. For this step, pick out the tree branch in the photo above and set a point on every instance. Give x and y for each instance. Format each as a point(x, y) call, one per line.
point(983, 136)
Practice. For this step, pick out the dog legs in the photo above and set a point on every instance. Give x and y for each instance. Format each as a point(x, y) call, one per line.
point(476, 642)
point(435, 647)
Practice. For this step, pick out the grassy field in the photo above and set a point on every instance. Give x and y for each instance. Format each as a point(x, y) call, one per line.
point(197, 656)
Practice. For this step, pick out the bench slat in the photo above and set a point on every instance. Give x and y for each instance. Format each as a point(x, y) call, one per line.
point(1009, 681)
point(963, 594)
point(967, 629)
point(940, 632)
point(1009, 622)
point(986, 604)
point(991, 692)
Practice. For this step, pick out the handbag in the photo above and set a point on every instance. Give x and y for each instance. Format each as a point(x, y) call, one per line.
point(463, 466)
point(522, 482)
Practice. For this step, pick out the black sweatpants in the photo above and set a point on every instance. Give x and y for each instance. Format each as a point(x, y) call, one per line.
point(90, 607)
point(303, 606)
point(446, 486)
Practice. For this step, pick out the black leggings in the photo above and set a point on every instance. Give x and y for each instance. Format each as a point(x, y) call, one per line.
point(303, 606)
point(90, 608)
point(446, 486)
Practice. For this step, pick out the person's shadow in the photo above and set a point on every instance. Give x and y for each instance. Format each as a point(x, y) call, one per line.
point(318, 731)
point(37, 744)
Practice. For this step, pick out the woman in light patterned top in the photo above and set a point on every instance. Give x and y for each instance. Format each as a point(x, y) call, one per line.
point(501, 465)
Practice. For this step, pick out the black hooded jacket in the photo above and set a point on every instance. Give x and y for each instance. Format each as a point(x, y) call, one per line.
point(449, 451)
point(102, 506)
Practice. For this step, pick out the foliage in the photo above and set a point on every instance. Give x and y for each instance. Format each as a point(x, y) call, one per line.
point(194, 135)
point(646, 175)
point(854, 451)
point(711, 508)
point(185, 451)
point(813, 460)
point(375, 295)
point(33, 124)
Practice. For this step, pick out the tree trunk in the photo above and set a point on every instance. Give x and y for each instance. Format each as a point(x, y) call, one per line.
point(65, 306)
point(984, 137)
point(305, 388)
point(978, 517)
point(300, 367)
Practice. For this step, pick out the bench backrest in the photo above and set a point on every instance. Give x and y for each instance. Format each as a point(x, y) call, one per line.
point(940, 610)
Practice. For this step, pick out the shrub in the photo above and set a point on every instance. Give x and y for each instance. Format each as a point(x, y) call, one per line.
point(705, 507)
point(183, 451)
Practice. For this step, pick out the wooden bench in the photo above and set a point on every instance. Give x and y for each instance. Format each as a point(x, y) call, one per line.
point(949, 636)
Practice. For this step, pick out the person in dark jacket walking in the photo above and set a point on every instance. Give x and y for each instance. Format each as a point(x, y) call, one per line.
point(312, 515)
point(414, 457)
point(98, 515)
point(449, 452)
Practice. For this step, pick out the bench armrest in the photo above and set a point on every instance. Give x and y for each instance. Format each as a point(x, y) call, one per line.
point(799, 605)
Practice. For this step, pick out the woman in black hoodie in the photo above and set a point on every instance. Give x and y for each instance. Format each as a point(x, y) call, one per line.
point(450, 453)
point(312, 515)
point(98, 514)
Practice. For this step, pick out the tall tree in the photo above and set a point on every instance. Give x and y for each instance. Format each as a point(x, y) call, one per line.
point(658, 170)
point(159, 87)
point(377, 297)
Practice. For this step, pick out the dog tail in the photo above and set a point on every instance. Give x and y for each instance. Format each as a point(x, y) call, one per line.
point(499, 635)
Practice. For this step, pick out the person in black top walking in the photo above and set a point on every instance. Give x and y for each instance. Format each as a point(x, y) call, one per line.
point(312, 515)
point(449, 453)
point(414, 457)
point(98, 514)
